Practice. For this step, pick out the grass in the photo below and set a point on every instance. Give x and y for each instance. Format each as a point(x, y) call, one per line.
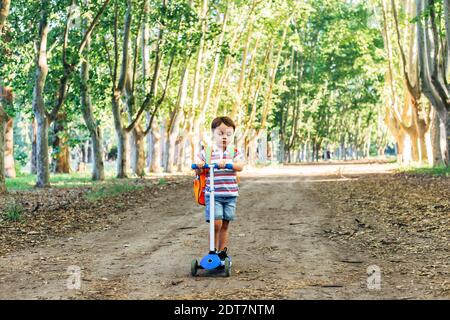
point(28, 181)
point(100, 189)
point(426, 170)
point(13, 212)
point(162, 182)
point(111, 189)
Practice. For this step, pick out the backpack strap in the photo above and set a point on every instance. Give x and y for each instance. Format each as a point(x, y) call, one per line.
point(208, 154)
point(230, 150)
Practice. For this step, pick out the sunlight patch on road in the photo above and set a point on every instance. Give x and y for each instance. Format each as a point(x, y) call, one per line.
point(321, 169)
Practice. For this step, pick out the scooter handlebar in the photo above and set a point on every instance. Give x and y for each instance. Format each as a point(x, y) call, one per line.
point(216, 166)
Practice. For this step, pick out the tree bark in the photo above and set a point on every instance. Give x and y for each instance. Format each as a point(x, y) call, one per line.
point(59, 144)
point(138, 151)
point(10, 170)
point(122, 154)
point(155, 165)
point(4, 11)
point(98, 169)
point(176, 118)
point(33, 134)
point(433, 141)
point(149, 143)
point(43, 175)
point(3, 116)
point(182, 153)
point(447, 24)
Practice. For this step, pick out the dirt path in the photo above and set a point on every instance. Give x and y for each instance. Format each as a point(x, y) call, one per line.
point(278, 247)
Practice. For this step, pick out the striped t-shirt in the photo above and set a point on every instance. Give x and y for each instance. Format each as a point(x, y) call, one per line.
point(225, 180)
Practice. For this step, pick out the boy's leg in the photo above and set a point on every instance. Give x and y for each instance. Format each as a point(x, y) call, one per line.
point(218, 208)
point(223, 236)
point(218, 225)
point(229, 213)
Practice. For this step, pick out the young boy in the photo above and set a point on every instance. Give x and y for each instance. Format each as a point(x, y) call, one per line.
point(225, 180)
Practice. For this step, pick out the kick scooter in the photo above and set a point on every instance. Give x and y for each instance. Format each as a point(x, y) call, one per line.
point(212, 260)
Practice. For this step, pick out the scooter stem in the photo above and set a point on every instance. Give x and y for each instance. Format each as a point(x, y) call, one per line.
point(211, 210)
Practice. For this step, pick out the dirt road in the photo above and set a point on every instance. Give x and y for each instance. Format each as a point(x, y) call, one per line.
point(278, 246)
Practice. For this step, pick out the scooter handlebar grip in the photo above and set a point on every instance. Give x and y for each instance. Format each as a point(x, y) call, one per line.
point(229, 166)
point(207, 166)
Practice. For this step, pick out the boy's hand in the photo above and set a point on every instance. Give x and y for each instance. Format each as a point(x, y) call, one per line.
point(200, 165)
point(199, 169)
point(238, 165)
point(222, 164)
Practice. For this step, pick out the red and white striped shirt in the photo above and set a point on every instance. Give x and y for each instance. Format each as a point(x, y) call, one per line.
point(225, 180)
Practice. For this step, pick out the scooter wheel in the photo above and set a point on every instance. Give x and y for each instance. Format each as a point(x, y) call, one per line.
point(227, 266)
point(194, 267)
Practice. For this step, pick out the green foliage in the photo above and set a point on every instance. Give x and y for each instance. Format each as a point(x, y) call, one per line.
point(426, 170)
point(13, 212)
point(112, 189)
point(338, 79)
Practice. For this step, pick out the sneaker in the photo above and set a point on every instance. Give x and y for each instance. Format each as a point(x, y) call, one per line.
point(223, 254)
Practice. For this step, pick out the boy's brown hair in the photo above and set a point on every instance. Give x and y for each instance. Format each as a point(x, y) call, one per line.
point(225, 120)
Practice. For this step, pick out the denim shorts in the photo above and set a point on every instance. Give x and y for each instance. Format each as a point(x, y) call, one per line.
point(224, 208)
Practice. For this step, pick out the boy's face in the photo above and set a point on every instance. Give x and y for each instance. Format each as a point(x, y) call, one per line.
point(223, 135)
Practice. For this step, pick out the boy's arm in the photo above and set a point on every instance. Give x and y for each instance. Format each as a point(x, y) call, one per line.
point(238, 162)
point(200, 162)
point(238, 165)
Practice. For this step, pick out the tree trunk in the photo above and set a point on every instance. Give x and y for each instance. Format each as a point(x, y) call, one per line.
point(60, 148)
point(149, 144)
point(414, 139)
point(122, 145)
point(170, 147)
point(176, 118)
point(98, 169)
point(317, 146)
point(445, 138)
point(118, 90)
point(43, 175)
point(164, 142)
point(2, 150)
point(182, 154)
point(138, 151)
point(288, 154)
point(156, 149)
point(10, 169)
point(33, 134)
point(263, 147)
point(433, 141)
point(4, 11)
point(251, 144)
point(121, 164)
